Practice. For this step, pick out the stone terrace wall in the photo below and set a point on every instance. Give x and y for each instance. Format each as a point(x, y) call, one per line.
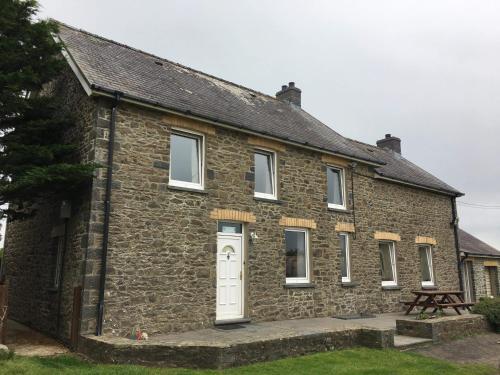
point(30, 250)
point(161, 273)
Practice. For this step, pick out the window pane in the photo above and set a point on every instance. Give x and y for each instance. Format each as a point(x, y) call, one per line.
point(295, 254)
point(184, 154)
point(263, 173)
point(386, 261)
point(225, 227)
point(424, 263)
point(334, 186)
point(343, 255)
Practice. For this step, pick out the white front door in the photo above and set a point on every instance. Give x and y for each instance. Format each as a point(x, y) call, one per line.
point(229, 276)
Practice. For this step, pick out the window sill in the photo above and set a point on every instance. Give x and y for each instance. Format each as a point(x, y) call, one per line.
point(268, 200)
point(299, 285)
point(231, 321)
point(190, 190)
point(342, 210)
point(349, 284)
point(391, 287)
point(429, 287)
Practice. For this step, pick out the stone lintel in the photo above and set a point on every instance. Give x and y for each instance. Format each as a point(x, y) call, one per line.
point(425, 240)
point(189, 124)
point(266, 143)
point(223, 214)
point(335, 160)
point(344, 227)
point(387, 236)
point(297, 222)
point(491, 263)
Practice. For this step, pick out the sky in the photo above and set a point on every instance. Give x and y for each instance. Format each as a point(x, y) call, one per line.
point(425, 71)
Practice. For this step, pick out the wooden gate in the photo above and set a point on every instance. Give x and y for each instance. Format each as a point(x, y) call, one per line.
point(75, 318)
point(4, 289)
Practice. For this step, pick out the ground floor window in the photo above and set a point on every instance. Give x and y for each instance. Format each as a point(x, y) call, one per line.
point(491, 276)
point(345, 264)
point(425, 253)
point(388, 263)
point(297, 256)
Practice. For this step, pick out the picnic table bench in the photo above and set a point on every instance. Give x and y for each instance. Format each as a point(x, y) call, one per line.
point(438, 299)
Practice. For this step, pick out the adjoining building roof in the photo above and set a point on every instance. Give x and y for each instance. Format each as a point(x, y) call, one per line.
point(108, 66)
point(473, 245)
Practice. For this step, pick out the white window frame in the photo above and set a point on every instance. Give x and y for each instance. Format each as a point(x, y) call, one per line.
point(274, 181)
point(392, 249)
point(342, 206)
point(201, 161)
point(300, 280)
point(428, 250)
point(58, 267)
point(346, 279)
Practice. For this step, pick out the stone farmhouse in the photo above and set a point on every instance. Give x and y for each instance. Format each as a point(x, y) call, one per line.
point(480, 263)
point(218, 204)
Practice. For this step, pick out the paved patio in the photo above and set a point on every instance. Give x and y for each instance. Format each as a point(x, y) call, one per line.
point(25, 341)
point(223, 346)
point(475, 349)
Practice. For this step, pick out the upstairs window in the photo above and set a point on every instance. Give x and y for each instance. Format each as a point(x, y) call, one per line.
point(186, 160)
point(265, 174)
point(345, 267)
point(425, 253)
point(297, 256)
point(335, 181)
point(388, 263)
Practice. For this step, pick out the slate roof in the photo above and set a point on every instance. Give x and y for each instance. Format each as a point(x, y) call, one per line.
point(472, 245)
point(398, 168)
point(108, 66)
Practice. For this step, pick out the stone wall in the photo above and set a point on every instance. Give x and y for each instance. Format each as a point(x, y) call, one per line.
point(162, 244)
point(31, 245)
point(444, 329)
point(206, 354)
point(161, 264)
point(479, 275)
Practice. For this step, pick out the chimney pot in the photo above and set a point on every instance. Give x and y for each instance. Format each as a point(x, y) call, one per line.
point(290, 94)
point(390, 143)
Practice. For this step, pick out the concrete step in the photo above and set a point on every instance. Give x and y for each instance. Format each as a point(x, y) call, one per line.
point(402, 342)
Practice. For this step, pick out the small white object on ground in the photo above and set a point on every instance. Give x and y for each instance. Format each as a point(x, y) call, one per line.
point(3, 348)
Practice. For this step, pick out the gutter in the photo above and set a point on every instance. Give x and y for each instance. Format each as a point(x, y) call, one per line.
point(450, 193)
point(476, 255)
point(102, 91)
point(107, 211)
point(457, 244)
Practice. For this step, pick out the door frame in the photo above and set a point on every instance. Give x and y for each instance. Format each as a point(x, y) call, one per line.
point(243, 295)
point(469, 281)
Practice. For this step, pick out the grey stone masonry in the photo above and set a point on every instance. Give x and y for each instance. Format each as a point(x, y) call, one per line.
point(161, 265)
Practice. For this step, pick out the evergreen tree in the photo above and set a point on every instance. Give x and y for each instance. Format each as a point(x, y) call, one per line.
point(35, 160)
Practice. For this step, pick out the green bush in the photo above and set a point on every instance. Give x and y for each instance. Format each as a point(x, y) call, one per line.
point(489, 307)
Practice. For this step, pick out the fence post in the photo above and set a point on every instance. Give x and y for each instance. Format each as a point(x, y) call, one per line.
point(75, 318)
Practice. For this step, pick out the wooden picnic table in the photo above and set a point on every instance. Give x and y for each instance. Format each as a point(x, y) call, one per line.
point(438, 300)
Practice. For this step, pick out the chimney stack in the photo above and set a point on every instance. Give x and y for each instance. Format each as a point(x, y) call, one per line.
point(289, 94)
point(390, 143)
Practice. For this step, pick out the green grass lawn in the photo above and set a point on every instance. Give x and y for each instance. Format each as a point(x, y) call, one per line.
point(354, 361)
